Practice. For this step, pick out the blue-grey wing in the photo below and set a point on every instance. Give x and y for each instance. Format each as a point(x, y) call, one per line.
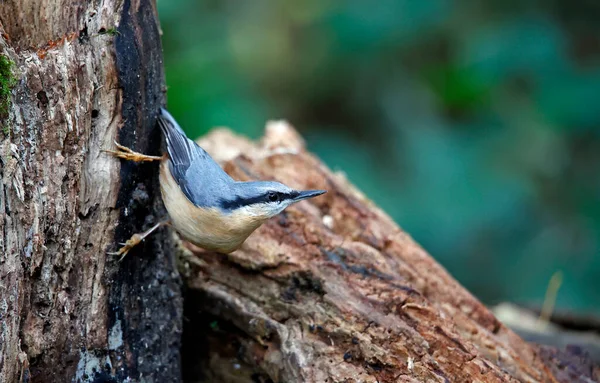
point(200, 178)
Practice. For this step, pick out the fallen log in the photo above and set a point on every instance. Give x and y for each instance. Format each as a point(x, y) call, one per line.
point(333, 290)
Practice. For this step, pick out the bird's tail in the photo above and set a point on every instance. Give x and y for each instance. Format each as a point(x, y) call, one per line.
point(167, 123)
point(182, 151)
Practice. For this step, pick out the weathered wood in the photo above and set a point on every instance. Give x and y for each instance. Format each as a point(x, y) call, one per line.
point(334, 291)
point(88, 73)
point(330, 291)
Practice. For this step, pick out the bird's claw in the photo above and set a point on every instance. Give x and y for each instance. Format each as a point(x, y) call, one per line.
point(127, 246)
point(127, 154)
point(123, 148)
point(135, 240)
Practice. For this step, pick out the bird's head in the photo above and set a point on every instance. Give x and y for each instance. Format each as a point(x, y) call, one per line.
point(264, 199)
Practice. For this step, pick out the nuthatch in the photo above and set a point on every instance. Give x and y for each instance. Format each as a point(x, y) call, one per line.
point(205, 205)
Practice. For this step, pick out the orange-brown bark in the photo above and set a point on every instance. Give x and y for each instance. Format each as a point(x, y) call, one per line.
point(334, 291)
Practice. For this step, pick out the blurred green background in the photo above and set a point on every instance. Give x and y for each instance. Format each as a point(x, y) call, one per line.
point(475, 125)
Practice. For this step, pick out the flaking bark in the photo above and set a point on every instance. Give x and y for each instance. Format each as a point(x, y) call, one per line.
point(333, 291)
point(329, 291)
point(87, 73)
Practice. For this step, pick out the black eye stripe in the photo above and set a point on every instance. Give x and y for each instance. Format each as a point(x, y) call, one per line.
point(264, 198)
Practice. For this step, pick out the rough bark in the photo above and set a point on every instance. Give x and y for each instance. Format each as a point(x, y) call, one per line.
point(333, 291)
point(330, 291)
point(88, 72)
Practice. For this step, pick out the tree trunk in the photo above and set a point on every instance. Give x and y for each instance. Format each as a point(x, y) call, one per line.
point(86, 74)
point(333, 291)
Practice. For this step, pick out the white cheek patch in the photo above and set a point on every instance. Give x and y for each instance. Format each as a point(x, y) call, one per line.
point(264, 210)
point(257, 210)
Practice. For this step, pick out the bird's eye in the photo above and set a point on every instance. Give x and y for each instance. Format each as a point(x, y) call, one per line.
point(273, 197)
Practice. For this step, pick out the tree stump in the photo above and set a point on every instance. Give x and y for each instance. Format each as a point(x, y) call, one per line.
point(84, 75)
point(333, 291)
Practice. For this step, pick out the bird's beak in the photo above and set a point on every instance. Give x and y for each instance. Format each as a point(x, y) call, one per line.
point(306, 194)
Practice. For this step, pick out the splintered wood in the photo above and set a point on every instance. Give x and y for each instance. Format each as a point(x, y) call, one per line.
point(332, 290)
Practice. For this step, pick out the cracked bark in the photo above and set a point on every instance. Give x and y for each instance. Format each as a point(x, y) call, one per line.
point(69, 311)
point(330, 291)
point(333, 291)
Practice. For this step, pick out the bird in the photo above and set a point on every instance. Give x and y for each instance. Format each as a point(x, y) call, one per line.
point(205, 205)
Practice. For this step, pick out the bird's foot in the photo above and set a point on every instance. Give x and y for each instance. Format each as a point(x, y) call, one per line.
point(135, 240)
point(127, 246)
point(127, 154)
